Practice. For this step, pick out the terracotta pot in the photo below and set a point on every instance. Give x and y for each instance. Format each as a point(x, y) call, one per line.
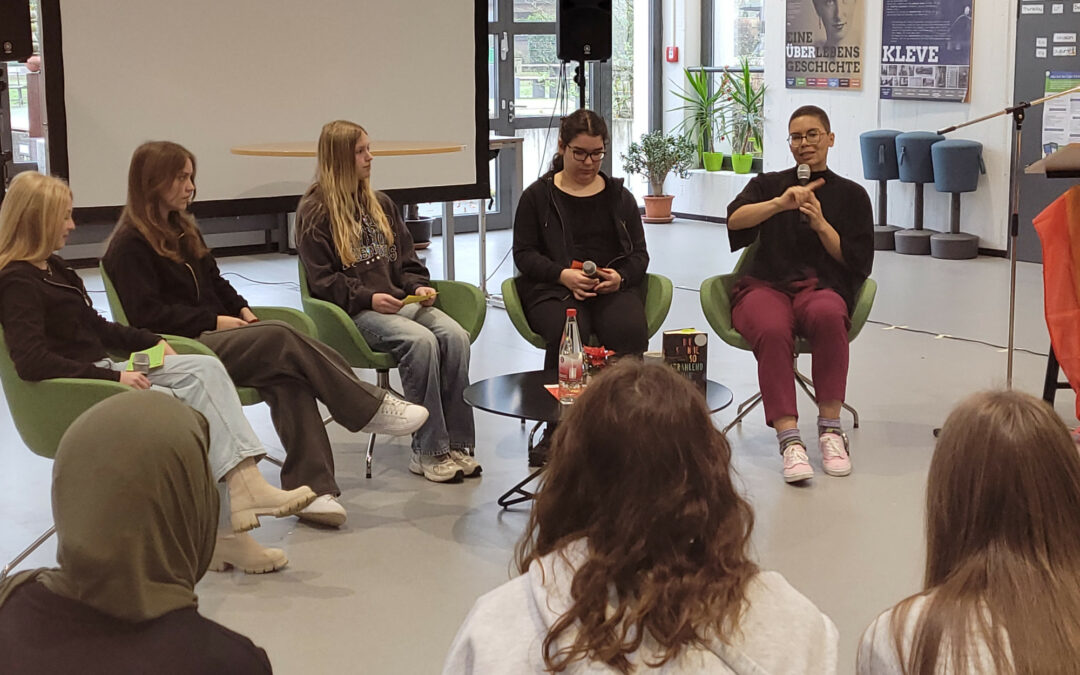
point(658, 209)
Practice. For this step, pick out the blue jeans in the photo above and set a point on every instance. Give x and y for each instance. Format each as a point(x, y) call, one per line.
point(432, 352)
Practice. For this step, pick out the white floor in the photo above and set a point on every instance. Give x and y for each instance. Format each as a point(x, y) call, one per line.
point(387, 593)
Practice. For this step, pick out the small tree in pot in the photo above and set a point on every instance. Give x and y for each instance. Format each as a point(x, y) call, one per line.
point(654, 157)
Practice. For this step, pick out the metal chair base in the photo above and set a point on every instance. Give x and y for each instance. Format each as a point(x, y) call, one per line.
point(26, 553)
point(805, 383)
point(382, 380)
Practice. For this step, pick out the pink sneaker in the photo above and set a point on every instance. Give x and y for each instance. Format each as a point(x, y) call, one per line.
point(797, 464)
point(834, 454)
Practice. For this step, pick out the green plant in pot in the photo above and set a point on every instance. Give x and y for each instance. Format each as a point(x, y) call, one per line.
point(655, 156)
point(704, 123)
point(747, 110)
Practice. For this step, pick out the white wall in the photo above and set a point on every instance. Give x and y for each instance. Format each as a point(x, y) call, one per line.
point(984, 212)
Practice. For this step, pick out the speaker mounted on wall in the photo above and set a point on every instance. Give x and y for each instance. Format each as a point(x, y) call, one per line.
point(583, 30)
point(15, 41)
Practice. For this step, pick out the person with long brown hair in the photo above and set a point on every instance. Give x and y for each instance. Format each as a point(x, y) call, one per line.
point(358, 254)
point(636, 555)
point(1002, 583)
point(168, 282)
point(52, 330)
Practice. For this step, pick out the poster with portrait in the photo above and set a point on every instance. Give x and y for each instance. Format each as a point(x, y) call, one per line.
point(926, 49)
point(824, 44)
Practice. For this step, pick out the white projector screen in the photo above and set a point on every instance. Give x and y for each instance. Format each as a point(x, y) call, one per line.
point(213, 74)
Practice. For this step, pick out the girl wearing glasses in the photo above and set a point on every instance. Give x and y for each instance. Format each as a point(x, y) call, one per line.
point(573, 214)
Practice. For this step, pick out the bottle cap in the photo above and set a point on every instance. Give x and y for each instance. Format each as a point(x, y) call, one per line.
point(571, 312)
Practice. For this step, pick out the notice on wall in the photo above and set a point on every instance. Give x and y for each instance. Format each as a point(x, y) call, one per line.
point(1061, 116)
point(825, 44)
point(926, 49)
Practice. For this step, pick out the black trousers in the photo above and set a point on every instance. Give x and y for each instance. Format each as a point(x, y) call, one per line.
point(291, 370)
point(616, 319)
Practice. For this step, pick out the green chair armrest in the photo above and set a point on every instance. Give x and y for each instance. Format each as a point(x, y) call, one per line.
point(42, 411)
point(336, 329)
point(186, 345)
point(716, 305)
point(115, 308)
point(464, 303)
point(294, 317)
point(658, 293)
point(516, 312)
point(864, 301)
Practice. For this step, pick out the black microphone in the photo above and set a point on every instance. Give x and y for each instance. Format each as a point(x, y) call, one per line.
point(803, 173)
point(589, 269)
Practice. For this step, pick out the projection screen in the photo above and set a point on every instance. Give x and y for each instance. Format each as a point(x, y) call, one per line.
point(214, 74)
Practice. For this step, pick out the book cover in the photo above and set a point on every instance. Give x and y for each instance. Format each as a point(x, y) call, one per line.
point(686, 351)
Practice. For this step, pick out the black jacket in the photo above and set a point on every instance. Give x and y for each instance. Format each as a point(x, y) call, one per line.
point(542, 244)
point(392, 269)
point(166, 296)
point(51, 327)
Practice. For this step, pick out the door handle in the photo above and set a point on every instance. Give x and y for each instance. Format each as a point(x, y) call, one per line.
point(504, 46)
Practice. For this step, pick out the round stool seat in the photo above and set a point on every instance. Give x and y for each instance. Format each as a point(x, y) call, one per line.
point(879, 154)
point(913, 242)
point(954, 246)
point(957, 165)
point(914, 158)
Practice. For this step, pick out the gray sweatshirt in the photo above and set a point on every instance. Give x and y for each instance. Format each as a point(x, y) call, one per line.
point(781, 631)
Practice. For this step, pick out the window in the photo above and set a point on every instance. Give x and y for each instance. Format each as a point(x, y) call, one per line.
point(738, 31)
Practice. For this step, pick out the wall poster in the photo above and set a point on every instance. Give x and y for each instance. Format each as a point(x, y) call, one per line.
point(824, 44)
point(926, 49)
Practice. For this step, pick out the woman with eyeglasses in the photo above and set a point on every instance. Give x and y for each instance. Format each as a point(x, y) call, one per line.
point(813, 248)
point(575, 214)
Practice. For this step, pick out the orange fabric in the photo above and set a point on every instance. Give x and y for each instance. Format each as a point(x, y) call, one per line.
point(1058, 227)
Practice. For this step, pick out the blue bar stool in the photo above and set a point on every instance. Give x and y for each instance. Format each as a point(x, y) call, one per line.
point(879, 163)
point(916, 166)
point(957, 165)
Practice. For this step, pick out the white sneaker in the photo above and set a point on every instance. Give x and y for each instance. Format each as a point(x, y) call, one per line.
point(468, 464)
point(396, 417)
point(436, 468)
point(325, 510)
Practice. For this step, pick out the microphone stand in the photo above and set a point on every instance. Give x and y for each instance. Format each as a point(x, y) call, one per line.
point(1018, 113)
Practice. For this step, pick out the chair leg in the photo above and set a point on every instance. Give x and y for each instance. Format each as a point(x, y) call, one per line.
point(382, 379)
point(274, 460)
point(744, 409)
point(807, 385)
point(26, 553)
point(370, 453)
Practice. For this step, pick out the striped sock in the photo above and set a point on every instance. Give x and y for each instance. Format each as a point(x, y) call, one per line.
point(829, 426)
point(788, 437)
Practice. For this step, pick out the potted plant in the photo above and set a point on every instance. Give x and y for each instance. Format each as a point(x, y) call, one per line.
point(654, 157)
point(747, 110)
point(705, 124)
point(419, 227)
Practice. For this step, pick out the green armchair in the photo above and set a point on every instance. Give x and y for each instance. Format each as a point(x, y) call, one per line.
point(463, 302)
point(42, 412)
point(716, 304)
point(658, 291)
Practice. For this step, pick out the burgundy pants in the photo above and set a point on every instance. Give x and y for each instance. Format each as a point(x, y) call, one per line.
point(769, 317)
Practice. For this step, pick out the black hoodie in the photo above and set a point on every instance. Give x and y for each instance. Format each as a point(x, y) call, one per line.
point(542, 243)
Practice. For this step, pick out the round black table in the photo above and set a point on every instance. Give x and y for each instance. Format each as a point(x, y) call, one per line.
point(522, 395)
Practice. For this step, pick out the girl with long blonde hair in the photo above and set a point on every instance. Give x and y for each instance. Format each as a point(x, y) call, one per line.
point(1002, 583)
point(168, 282)
point(52, 330)
point(357, 254)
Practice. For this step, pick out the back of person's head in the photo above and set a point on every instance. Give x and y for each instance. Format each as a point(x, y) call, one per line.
point(135, 507)
point(581, 121)
point(1003, 541)
point(344, 193)
point(31, 215)
point(152, 172)
point(638, 469)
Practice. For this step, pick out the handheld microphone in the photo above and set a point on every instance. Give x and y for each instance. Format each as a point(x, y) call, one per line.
point(140, 363)
point(589, 269)
point(803, 173)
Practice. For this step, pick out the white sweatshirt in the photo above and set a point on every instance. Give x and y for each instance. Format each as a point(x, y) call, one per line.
point(781, 631)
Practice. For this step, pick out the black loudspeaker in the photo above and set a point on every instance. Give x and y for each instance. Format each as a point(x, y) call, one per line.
point(583, 30)
point(15, 41)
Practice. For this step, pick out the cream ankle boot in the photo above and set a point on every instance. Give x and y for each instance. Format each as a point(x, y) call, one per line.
point(250, 496)
point(241, 551)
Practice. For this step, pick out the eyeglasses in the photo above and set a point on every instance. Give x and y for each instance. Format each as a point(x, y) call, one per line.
point(812, 137)
point(580, 155)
